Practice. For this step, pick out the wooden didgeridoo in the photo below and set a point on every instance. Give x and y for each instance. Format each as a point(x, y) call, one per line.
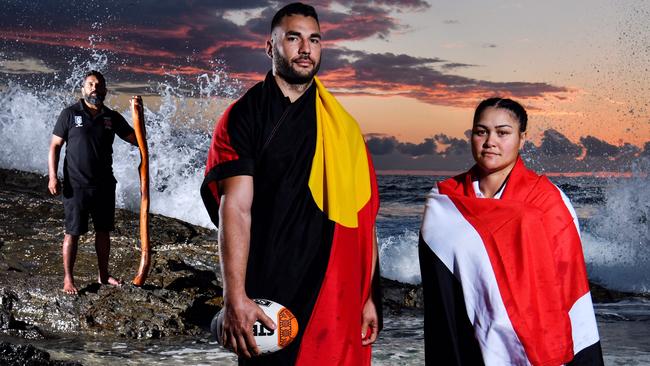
point(140, 134)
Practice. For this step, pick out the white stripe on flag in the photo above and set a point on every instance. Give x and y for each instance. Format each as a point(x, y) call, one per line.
point(461, 249)
point(572, 211)
point(583, 323)
point(584, 330)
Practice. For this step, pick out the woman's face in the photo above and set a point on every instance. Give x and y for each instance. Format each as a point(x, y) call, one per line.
point(496, 140)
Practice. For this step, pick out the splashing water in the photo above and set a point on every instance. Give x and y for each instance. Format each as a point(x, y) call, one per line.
point(178, 134)
point(398, 255)
point(617, 242)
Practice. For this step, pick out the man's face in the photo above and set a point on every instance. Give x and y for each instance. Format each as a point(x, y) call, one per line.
point(93, 91)
point(295, 48)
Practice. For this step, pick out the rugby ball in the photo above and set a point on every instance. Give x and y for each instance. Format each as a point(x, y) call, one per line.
point(268, 340)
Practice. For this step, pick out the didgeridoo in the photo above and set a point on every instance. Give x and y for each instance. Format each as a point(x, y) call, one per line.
point(140, 134)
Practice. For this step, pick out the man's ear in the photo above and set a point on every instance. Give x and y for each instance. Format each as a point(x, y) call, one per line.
point(269, 48)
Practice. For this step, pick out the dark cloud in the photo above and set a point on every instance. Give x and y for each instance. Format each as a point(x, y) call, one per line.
point(399, 4)
point(51, 15)
point(243, 59)
point(392, 154)
point(646, 149)
point(554, 143)
point(427, 147)
point(596, 147)
point(629, 150)
point(381, 144)
point(456, 65)
point(362, 22)
point(417, 77)
point(454, 146)
point(489, 45)
point(145, 40)
point(362, 19)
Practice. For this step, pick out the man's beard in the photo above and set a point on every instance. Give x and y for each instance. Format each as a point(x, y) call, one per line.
point(96, 99)
point(289, 74)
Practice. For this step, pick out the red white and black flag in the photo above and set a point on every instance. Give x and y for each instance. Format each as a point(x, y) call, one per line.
point(504, 279)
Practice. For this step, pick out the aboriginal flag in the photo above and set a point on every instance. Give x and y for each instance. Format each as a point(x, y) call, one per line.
point(313, 214)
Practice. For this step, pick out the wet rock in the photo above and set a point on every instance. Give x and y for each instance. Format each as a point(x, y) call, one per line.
point(9, 325)
point(399, 296)
point(179, 298)
point(602, 295)
point(28, 355)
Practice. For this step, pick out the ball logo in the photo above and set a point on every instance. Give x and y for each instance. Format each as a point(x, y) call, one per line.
point(263, 302)
point(260, 330)
point(268, 340)
point(287, 327)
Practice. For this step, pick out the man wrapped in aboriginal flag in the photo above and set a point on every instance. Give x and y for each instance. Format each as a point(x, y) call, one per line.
point(291, 186)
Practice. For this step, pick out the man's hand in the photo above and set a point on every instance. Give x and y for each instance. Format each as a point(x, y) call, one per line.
point(369, 323)
point(238, 319)
point(54, 186)
point(53, 164)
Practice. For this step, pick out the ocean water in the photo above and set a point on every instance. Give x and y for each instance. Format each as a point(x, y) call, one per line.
point(613, 212)
point(613, 215)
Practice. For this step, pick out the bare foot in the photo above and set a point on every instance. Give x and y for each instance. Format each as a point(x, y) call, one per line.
point(111, 281)
point(69, 287)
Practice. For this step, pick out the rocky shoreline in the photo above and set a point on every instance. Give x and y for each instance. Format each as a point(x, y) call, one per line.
point(181, 295)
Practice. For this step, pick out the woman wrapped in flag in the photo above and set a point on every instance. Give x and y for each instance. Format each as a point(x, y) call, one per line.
point(502, 266)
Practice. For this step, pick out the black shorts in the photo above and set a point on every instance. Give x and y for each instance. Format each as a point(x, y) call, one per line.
point(79, 203)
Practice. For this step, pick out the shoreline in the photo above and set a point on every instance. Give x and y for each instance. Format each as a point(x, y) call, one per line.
point(180, 297)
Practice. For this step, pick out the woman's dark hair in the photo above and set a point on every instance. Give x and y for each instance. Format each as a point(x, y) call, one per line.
point(503, 103)
point(293, 9)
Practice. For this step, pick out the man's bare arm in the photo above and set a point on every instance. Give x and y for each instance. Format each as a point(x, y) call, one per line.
point(53, 164)
point(240, 312)
point(131, 139)
point(369, 316)
point(234, 234)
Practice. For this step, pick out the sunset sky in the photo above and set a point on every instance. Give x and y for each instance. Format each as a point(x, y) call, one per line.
point(410, 71)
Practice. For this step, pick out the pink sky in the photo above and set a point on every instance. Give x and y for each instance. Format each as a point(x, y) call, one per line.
point(407, 70)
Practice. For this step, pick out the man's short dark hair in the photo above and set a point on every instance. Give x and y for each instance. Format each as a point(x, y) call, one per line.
point(96, 74)
point(293, 9)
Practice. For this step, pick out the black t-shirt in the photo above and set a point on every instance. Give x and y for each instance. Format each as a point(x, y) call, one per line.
point(89, 144)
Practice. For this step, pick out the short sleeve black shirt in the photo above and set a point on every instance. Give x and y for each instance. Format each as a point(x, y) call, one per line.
point(89, 144)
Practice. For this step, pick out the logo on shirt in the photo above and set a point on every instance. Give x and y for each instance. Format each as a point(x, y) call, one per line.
point(78, 121)
point(107, 123)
